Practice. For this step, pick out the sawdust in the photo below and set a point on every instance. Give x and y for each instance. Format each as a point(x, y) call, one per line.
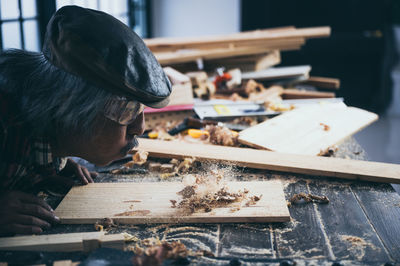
point(133, 213)
point(358, 245)
point(130, 238)
point(221, 135)
point(296, 198)
point(105, 223)
point(152, 251)
point(204, 193)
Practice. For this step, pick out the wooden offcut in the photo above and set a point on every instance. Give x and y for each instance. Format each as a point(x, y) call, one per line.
point(262, 159)
point(145, 203)
point(305, 94)
point(307, 130)
point(69, 242)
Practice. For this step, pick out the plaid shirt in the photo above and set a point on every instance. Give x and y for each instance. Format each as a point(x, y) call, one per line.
point(24, 160)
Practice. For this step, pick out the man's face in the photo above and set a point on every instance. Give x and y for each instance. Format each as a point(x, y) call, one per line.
point(111, 142)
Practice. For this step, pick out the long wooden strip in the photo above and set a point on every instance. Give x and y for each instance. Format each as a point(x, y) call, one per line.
point(303, 94)
point(261, 159)
point(324, 83)
point(187, 56)
point(190, 42)
point(59, 242)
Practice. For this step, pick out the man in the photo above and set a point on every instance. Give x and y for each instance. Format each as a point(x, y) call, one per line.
point(82, 96)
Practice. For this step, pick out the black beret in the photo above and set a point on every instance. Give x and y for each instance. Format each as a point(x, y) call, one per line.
point(101, 49)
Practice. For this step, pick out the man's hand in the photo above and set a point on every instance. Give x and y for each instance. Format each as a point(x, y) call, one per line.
point(83, 174)
point(22, 213)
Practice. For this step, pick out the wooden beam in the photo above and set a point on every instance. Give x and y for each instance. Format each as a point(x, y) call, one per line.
point(261, 159)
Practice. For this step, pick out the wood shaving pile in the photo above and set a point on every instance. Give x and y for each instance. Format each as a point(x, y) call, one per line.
point(222, 136)
point(155, 253)
point(308, 198)
point(105, 223)
point(206, 193)
point(138, 158)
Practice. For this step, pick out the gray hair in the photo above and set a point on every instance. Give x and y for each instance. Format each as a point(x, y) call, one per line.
point(51, 100)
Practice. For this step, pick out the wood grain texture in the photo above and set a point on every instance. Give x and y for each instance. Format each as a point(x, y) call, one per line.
point(87, 204)
point(261, 159)
point(303, 130)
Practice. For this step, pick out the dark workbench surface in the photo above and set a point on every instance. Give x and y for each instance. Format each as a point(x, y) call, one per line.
point(360, 225)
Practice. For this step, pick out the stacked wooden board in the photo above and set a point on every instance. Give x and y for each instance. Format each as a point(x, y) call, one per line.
point(170, 51)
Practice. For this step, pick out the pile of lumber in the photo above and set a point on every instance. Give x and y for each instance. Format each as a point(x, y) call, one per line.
point(170, 51)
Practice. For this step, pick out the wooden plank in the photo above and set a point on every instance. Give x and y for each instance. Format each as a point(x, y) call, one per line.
point(143, 203)
point(350, 234)
point(52, 243)
point(322, 82)
point(382, 207)
point(182, 56)
point(278, 73)
point(261, 159)
point(309, 130)
point(245, 63)
point(304, 94)
point(191, 42)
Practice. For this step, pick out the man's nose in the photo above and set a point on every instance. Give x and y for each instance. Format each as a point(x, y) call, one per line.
point(137, 126)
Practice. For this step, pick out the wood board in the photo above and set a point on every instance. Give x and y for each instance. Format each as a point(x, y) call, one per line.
point(307, 130)
point(263, 159)
point(69, 242)
point(287, 33)
point(145, 203)
point(278, 73)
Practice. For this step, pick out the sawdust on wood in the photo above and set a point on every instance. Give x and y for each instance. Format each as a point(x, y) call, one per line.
point(204, 193)
point(133, 213)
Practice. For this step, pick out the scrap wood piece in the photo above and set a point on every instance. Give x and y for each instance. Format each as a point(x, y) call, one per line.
point(59, 242)
point(323, 83)
point(278, 73)
point(305, 94)
point(308, 198)
point(262, 159)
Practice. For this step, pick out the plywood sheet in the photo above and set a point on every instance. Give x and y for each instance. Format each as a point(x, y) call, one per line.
point(307, 130)
point(140, 203)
